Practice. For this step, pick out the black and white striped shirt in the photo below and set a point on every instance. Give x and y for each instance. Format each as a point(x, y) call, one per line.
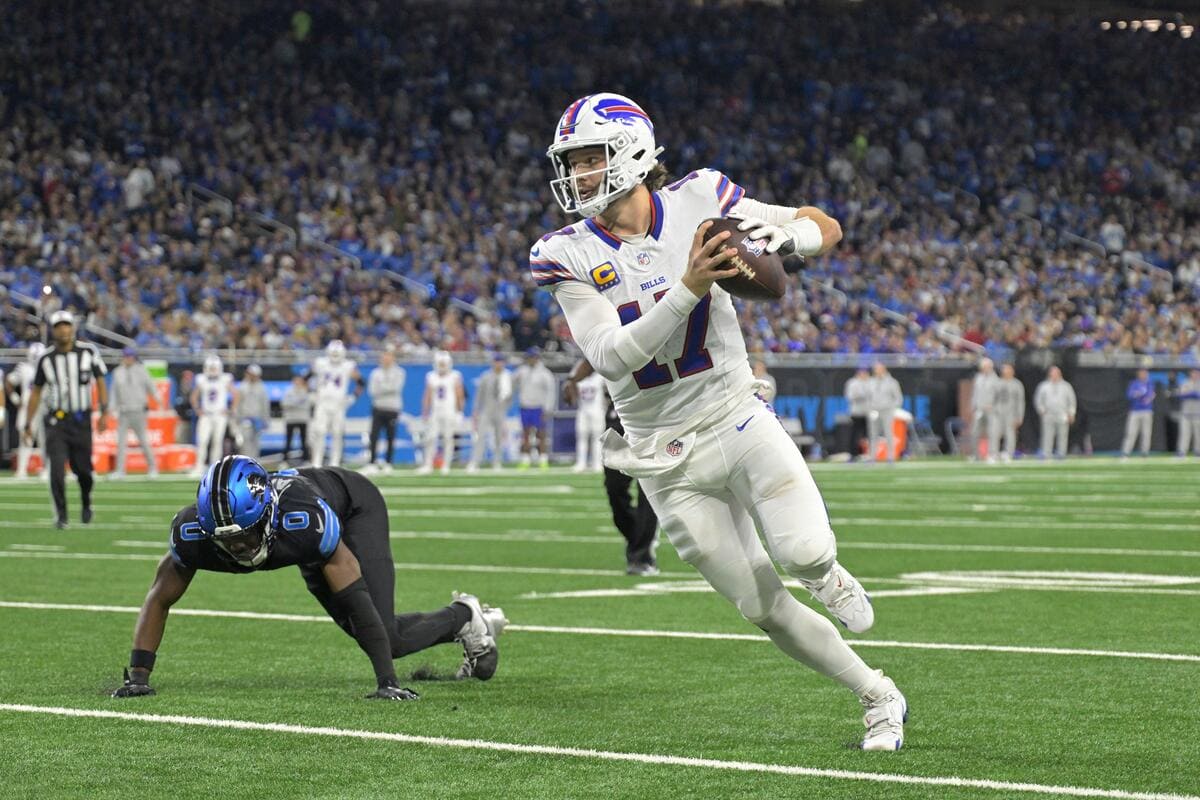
point(67, 378)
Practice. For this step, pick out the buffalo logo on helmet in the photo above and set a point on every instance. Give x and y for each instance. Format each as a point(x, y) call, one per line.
point(618, 109)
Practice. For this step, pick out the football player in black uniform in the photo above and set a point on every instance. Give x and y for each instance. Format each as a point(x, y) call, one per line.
point(330, 522)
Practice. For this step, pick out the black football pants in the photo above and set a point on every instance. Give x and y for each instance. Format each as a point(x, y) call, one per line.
point(365, 532)
point(69, 439)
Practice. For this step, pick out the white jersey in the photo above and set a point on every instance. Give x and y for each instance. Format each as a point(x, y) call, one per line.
point(333, 380)
point(705, 360)
point(21, 380)
point(443, 392)
point(215, 393)
point(591, 396)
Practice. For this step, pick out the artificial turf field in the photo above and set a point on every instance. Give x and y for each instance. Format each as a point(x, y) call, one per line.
point(1081, 580)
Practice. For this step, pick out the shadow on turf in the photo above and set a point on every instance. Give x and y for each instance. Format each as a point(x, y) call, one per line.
point(425, 672)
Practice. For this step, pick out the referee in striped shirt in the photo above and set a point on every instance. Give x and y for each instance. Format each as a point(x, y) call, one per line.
point(65, 375)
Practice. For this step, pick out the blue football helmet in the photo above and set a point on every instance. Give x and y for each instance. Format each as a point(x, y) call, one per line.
point(236, 507)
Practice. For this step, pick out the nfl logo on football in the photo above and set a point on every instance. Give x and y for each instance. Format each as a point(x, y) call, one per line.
point(675, 448)
point(755, 246)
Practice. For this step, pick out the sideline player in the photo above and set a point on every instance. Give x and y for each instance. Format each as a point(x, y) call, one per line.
point(331, 523)
point(441, 407)
point(589, 422)
point(20, 382)
point(636, 282)
point(333, 374)
point(214, 401)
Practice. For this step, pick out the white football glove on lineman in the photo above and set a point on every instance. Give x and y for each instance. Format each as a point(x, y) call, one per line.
point(801, 236)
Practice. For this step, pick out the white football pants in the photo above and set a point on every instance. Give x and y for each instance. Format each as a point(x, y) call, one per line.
point(328, 419)
point(26, 451)
point(588, 428)
point(732, 481)
point(442, 427)
point(210, 438)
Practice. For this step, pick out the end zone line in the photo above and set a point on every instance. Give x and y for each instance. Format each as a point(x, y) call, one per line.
point(602, 755)
point(636, 633)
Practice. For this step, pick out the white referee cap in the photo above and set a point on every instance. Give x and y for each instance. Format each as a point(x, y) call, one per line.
point(61, 316)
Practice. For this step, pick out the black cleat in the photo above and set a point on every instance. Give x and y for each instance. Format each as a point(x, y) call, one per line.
point(60, 523)
point(86, 516)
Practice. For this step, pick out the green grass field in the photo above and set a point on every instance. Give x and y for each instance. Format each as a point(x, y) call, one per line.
point(1081, 582)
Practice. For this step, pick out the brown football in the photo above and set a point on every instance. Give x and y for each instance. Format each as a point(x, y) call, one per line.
point(762, 276)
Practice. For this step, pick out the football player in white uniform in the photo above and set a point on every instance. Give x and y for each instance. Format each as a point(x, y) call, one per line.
point(589, 423)
point(20, 382)
point(441, 409)
point(636, 283)
point(333, 374)
point(214, 400)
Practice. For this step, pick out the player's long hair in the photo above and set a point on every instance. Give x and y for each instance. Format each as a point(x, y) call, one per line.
point(656, 178)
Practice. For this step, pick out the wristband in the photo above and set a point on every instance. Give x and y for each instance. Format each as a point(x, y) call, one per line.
point(142, 659)
point(806, 236)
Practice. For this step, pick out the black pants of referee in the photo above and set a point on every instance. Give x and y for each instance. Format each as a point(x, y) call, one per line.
point(858, 434)
point(383, 422)
point(638, 524)
point(365, 533)
point(301, 430)
point(69, 439)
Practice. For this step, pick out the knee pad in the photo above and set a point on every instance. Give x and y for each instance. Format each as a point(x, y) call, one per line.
point(808, 555)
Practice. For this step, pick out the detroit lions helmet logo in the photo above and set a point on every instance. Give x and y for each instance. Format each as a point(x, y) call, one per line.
point(257, 486)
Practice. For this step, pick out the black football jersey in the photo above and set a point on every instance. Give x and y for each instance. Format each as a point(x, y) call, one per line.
point(306, 526)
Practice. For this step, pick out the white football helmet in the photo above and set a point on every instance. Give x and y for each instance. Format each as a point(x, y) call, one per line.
point(442, 362)
point(213, 366)
point(602, 120)
point(36, 351)
point(336, 351)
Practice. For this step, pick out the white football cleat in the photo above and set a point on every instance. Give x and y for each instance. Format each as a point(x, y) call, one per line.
point(495, 620)
point(478, 638)
point(886, 713)
point(424, 469)
point(845, 599)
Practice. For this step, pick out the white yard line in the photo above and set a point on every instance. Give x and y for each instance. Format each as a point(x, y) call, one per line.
point(597, 755)
point(400, 565)
point(1024, 523)
point(752, 637)
point(636, 633)
point(998, 548)
point(440, 491)
point(548, 536)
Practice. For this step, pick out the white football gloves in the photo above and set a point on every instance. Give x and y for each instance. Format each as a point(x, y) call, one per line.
point(801, 236)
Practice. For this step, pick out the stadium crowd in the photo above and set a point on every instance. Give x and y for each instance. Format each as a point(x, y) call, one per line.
point(958, 151)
